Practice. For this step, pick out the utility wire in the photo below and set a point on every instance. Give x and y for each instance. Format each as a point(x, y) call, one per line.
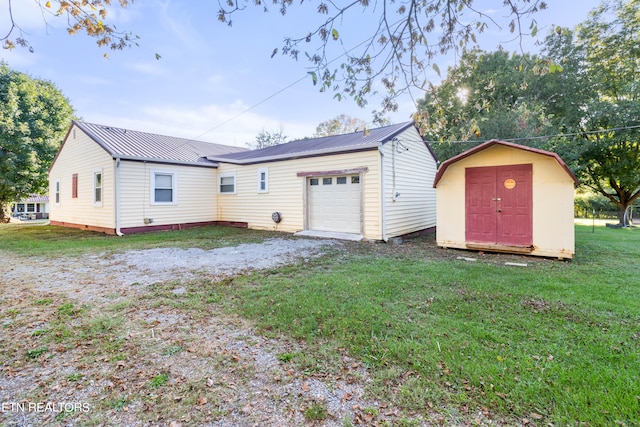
point(591, 132)
point(285, 88)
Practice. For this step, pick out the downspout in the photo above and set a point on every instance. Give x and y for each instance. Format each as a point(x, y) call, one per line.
point(394, 192)
point(116, 195)
point(383, 219)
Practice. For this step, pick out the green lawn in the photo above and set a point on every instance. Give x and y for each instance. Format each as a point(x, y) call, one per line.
point(555, 343)
point(30, 240)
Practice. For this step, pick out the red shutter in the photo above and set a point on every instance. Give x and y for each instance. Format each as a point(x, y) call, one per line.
point(74, 186)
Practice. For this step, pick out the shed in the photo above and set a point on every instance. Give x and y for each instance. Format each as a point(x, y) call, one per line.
point(505, 197)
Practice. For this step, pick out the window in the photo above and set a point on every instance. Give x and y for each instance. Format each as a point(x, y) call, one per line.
point(163, 187)
point(341, 180)
point(97, 188)
point(313, 181)
point(228, 183)
point(57, 191)
point(263, 180)
point(31, 207)
point(355, 180)
point(327, 181)
point(74, 186)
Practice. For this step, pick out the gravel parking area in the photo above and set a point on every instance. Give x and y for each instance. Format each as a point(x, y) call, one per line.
point(218, 370)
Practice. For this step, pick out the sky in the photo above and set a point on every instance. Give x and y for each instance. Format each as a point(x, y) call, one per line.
point(215, 82)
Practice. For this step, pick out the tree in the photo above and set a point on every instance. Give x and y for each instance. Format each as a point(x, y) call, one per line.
point(395, 54)
point(606, 153)
point(268, 138)
point(339, 125)
point(34, 116)
point(494, 95)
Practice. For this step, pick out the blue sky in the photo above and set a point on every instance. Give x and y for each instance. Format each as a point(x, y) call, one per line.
point(210, 73)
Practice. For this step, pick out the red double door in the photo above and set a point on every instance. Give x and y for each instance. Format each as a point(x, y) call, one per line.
point(499, 205)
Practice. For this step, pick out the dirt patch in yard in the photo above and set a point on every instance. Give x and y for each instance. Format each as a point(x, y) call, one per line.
point(136, 338)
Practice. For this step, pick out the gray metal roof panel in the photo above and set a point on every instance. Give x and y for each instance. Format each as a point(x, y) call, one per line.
point(356, 141)
point(133, 144)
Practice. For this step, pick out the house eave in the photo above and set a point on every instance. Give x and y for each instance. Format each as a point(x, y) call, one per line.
point(294, 156)
point(208, 164)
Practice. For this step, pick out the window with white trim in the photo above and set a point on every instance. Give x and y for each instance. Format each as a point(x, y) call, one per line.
point(227, 183)
point(163, 188)
point(97, 187)
point(263, 180)
point(57, 201)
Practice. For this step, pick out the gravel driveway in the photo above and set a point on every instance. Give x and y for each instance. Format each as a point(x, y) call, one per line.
point(219, 370)
point(94, 276)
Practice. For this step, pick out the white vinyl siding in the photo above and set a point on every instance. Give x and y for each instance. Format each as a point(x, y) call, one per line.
point(409, 196)
point(80, 155)
point(287, 191)
point(195, 195)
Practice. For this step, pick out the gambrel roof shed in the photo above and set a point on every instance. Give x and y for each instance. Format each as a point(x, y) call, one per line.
point(506, 197)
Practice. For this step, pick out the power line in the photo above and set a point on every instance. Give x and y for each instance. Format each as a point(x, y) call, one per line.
point(252, 107)
point(284, 89)
point(591, 132)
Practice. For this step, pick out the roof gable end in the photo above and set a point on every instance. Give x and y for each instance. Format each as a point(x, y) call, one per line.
point(443, 167)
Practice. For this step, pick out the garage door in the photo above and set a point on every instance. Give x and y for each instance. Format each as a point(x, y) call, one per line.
point(335, 203)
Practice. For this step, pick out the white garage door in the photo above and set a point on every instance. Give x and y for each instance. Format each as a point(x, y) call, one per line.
point(335, 203)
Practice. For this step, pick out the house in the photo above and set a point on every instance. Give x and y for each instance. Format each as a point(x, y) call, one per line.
point(372, 184)
point(506, 197)
point(35, 206)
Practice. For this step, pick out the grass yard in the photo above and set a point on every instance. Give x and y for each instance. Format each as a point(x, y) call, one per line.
point(33, 240)
point(553, 343)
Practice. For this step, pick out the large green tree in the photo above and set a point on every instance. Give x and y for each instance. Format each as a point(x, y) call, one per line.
point(605, 154)
point(580, 98)
point(34, 116)
point(487, 95)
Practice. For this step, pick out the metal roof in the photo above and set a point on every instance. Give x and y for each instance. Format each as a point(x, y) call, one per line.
point(356, 141)
point(35, 198)
point(135, 145)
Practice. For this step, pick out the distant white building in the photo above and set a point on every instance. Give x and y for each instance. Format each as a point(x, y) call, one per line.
point(33, 207)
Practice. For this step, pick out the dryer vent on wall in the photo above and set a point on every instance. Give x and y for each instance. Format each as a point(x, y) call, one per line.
point(276, 217)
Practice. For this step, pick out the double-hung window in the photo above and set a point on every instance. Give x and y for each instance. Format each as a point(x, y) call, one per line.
point(263, 180)
point(97, 188)
point(227, 183)
point(163, 188)
point(57, 192)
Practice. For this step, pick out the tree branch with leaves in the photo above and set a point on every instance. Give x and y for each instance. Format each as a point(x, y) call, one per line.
point(397, 54)
point(88, 16)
